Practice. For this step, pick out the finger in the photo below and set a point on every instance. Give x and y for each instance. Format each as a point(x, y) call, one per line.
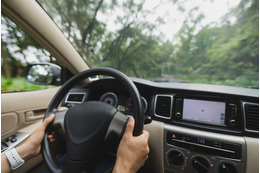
point(130, 126)
point(52, 140)
point(148, 149)
point(47, 121)
point(146, 134)
point(51, 137)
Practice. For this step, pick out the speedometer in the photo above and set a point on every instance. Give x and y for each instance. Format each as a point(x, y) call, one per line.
point(129, 106)
point(109, 98)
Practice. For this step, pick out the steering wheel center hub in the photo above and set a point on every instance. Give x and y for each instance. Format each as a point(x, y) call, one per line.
point(87, 129)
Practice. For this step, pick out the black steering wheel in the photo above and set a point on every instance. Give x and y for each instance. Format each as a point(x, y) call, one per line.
point(89, 124)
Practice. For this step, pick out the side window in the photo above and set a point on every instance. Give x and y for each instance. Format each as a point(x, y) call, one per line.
point(18, 50)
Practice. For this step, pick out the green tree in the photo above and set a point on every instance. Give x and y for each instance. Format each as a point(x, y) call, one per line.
point(14, 38)
point(130, 48)
point(78, 20)
point(235, 52)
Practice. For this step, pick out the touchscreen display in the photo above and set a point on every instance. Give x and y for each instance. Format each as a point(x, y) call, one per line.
point(210, 112)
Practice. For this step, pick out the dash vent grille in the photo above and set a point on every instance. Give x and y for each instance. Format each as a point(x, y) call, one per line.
point(163, 106)
point(252, 116)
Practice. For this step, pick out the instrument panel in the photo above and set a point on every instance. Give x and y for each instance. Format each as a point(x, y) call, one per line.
point(204, 126)
point(127, 107)
point(205, 108)
point(124, 105)
point(109, 98)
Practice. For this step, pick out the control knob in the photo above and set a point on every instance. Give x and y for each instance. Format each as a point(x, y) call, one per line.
point(200, 164)
point(175, 158)
point(227, 168)
point(178, 115)
point(232, 123)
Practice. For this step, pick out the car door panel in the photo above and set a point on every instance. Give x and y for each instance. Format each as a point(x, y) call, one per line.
point(22, 109)
point(9, 122)
point(21, 114)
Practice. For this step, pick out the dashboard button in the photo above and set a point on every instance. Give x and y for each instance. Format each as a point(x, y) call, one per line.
point(13, 140)
point(178, 115)
point(232, 123)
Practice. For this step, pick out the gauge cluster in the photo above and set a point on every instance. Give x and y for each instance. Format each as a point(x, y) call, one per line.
point(125, 105)
point(109, 98)
point(114, 95)
point(129, 106)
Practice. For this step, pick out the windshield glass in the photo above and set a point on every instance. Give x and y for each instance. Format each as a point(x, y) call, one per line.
point(203, 41)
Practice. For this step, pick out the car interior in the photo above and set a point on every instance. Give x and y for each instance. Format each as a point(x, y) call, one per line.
point(193, 127)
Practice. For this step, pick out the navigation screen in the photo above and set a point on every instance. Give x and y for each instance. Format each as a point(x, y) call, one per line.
point(202, 111)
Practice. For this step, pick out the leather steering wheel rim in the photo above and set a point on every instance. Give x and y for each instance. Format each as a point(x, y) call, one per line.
point(47, 153)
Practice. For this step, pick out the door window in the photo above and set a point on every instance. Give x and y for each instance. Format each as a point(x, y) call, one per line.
point(18, 50)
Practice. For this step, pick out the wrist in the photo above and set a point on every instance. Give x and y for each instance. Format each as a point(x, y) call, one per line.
point(14, 159)
point(121, 167)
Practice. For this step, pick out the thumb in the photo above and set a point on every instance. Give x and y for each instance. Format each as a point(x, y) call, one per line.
point(130, 126)
point(48, 120)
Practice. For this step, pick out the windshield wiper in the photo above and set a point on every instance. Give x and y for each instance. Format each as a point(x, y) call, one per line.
point(170, 81)
point(252, 87)
point(166, 80)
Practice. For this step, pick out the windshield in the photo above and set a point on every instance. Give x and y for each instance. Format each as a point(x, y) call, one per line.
point(203, 41)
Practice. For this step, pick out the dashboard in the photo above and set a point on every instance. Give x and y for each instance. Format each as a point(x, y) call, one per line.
point(204, 126)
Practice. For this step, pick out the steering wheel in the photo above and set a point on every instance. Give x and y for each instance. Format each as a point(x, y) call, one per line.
point(89, 124)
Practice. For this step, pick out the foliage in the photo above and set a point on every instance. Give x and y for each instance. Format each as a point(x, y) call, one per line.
point(19, 84)
point(224, 52)
point(78, 21)
point(15, 44)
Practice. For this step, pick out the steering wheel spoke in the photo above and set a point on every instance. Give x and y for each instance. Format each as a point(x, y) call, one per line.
point(58, 122)
point(117, 126)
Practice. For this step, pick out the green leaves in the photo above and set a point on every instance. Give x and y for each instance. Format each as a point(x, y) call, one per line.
point(226, 54)
point(222, 52)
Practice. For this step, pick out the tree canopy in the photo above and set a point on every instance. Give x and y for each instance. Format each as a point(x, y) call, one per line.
point(221, 52)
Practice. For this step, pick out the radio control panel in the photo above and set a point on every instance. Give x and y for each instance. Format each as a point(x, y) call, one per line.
point(203, 145)
point(185, 151)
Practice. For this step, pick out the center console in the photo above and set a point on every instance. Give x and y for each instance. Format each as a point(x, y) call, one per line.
point(185, 151)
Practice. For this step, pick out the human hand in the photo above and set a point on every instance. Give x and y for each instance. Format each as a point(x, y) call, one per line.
point(51, 137)
point(132, 151)
point(32, 146)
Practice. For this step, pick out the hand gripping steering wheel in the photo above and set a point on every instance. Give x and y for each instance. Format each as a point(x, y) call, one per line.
point(88, 124)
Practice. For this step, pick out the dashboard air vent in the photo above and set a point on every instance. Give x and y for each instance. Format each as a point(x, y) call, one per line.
point(252, 116)
point(75, 97)
point(163, 106)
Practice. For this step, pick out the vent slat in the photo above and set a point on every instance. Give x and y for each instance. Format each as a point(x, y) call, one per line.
point(251, 122)
point(163, 106)
point(252, 116)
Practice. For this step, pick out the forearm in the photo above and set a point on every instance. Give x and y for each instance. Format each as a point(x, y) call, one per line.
point(5, 165)
point(25, 151)
point(119, 168)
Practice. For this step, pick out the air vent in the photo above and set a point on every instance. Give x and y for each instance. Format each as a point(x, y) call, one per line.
point(252, 117)
point(75, 97)
point(163, 106)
